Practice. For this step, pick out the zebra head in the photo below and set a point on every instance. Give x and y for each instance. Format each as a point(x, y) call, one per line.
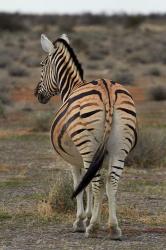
point(48, 86)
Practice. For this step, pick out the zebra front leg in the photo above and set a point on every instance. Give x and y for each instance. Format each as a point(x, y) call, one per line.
point(78, 225)
point(98, 190)
point(114, 174)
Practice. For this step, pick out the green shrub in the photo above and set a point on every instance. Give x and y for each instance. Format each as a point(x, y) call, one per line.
point(134, 21)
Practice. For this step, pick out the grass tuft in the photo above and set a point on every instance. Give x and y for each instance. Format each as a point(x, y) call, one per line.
point(4, 214)
point(59, 198)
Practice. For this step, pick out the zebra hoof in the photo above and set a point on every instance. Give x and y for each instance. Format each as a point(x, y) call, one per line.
point(78, 226)
point(115, 233)
point(91, 231)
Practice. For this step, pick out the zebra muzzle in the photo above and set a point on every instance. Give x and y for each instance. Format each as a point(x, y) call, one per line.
point(43, 99)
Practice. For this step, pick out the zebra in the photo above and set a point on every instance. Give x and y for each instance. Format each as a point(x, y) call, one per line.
point(94, 130)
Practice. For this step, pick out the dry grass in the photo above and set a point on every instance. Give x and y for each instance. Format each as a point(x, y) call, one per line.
point(133, 214)
point(58, 200)
point(157, 220)
point(4, 213)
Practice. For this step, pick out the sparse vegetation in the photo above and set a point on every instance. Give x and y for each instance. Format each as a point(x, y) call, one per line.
point(134, 21)
point(12, 22)
point(66, 24)
point(158, 93)
point(59, 197)
point(150, 149)
point(42, 122)
point(4, 214)
point(35, 206)
point(4, 61)
point(123, 76)
point(31, 62)
point(2, 110)
point(60, 193)
point(154, 71)
point(18, 71)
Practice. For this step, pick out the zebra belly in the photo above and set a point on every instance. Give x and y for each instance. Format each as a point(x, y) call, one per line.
point(67, 151)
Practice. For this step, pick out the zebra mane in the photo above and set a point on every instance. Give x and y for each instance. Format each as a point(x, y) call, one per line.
point(73, 56)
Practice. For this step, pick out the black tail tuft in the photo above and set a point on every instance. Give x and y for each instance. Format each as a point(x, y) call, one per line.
point(92, 170)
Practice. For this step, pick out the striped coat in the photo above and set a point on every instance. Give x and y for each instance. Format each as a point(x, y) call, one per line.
point(95, 125)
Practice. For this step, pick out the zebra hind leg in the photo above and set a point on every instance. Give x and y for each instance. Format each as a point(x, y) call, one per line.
point(78, 225)
point(88, 212)
point(114, 174)
point(98, 190)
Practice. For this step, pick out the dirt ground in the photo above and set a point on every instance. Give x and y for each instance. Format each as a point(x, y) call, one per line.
point(25, 179)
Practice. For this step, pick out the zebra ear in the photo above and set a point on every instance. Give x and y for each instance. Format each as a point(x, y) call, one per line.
point(65, 37)
point(46, 44)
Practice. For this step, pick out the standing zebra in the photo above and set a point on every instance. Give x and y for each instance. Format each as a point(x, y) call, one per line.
point(98, 120)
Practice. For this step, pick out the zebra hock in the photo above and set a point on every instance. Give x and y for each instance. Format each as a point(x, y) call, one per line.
point(94, 130)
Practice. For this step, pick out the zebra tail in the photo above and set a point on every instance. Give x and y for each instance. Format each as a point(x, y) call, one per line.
point(95, 165)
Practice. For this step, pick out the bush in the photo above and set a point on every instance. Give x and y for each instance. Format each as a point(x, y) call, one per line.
point(149, 151)
point(42, 122)
point(12, 22)
point(66, 25)
point(60, 193)
point(4, 61)
point(154, 71)
point(58, 201)
point(2, 110)
point(80, 45)
point(123, 76)
point(158, 93)
point(18, 71)
point(134, 21)
point(4, 93)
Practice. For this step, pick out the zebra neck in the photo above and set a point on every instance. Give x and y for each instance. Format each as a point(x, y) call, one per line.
point(69, 80)
point(68, 72)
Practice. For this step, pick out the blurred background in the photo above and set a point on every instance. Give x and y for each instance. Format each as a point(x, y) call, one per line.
point(118, 40)
point(122, 40)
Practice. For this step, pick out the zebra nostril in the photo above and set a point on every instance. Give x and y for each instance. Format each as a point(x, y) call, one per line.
point(42, 99)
